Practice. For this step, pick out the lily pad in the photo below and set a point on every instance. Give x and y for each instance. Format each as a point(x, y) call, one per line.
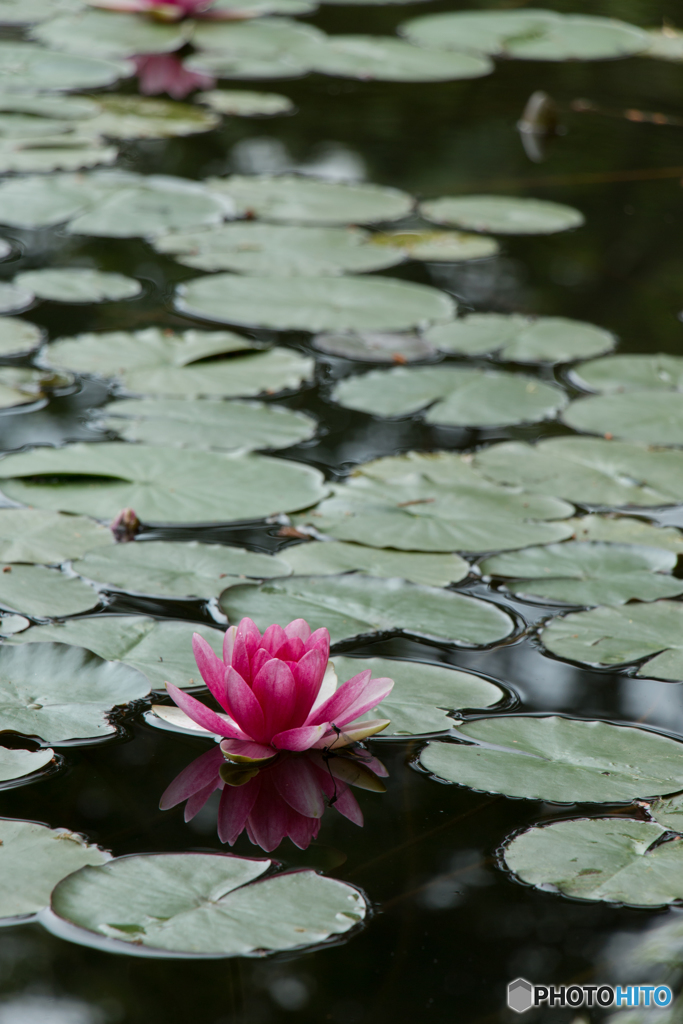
point(144, 117)
point(157, 362)
point(176, 569)
point(278, 250)
point(665, 44)
point(33, 858)
point(25, 67)
point(15, 765)
point(310, 304)
point(392, 60)
point(44, 593)
point(28, 12)
point(580, 37)
point(21, 385)
point(353, 605)
point(609, 859)
point(627, 530)
point(588, 572)
point(423, 694)
point(100, 33)
point(374, 347)
point(62, 693)
point(647, 416)
point(163, 485)
point(502, 215)
point(135, 641)
point(18, 337)
point(559, 760)
point(521, 339)
point(62, 153)
point(616, 636)
point(245, 103)
point(67, 108)
point(668, 811)
point(289, 198)
point(202, 423)
point(436, 502)
point(260, 8)
point(631, 373)
point(316, 559)
point(33, 535)
point(456, 396)
point(203, 904)
point(438, 246)
point(264, 48)
point(588, 470)
point(14, 297)
point(76, 284)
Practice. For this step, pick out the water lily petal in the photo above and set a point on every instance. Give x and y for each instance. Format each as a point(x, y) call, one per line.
point(296, 781)
point(373, 694)
point(299, 739)
point(247, 643)
point(217, 724)
point(353, 733)
point(228, 644)
point(244, 706)
point(270, 818)
point(245, 751)
point(234, 809)
point(291, 650)
point(258, 661)
point(275, 689)
point(327, 687)
point(197, 800)
point(273, 639)
point(321, 640)
point(211, 668)
point(202, 772)
point(300, 628)
point(345, 697)
point(308, 674)
point(341, 797)
point(303, 830)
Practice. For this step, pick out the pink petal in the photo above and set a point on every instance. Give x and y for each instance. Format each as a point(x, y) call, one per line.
point(235, 807)
point(300, 628)
point(270, 817)
point(299, 739)
point(247, 643)
point(347, 805)
point(273, 638)
point(199, 774)
point(258, 661)
point(341, 699)
point(275, 689)
point(321, 640)
point(296, 781)
point(228, 644)
point(211, 668)
point(291, 650)
point(303, 830)
point(308, 674)
point(221, 725)
point(244, 706)
point(197, 801)
point(374, 694)
point(237, 749)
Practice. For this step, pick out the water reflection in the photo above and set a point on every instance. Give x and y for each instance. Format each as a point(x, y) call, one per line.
point(287, 796)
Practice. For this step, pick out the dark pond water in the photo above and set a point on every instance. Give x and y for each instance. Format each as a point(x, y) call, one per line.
point(449, 928)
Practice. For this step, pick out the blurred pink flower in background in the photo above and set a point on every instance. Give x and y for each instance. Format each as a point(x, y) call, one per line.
point(169, 10)
point(164, 72)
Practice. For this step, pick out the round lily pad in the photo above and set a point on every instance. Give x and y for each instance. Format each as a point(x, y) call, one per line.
point(294, 199)
point(176, 569)
point(205, 904)
point(560, 760)
point(588, 572)
point(25, 67)
point(33, 858)
point(310, 304)
point(240, 9)
point(33, 535)
point(44, 593)
point(609, 859)
point(668, 811)
point(422, 695)
point(28, 12)
point(456, 396)
point(14, 297)
point(438, 246)
point(502, 215)
point(163, 485)
point(315, 559)
point(627, 530)
point(665, 43)
point(78, 285)
point(61, 693)
point(278, 250)
point(616, 636)
point(476, 31)
point(375, 347)
point(144, 117)
point(62, 153)
point(393, 60)
point(631, 373)
point(100, 33)
point(589, 471)
point(263, 48)
point(135, 641)
point(202, 423)
point(20, 385)
point(521, 339)
point(18, 337)
point(16, 765)
point(647, 416)
point(353, 605)
point(245, 103)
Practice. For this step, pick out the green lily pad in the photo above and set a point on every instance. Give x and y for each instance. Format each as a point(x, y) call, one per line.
point(337, 557)
point(100, 33)
point(202, 423)
point(436, 502)
point(10, 624)
point(314, 304)
point(28, 12)
point(245, 103)
point(438, 246)
point(278, 250)
point(353, 605)
point(627, 530)
point(144, 117)
point(204, 904)
point(588, 572)
point(63, 153)
point(61, 693)
point(67, 108)
point(588, 470)
point(423, 694)
point(25, 67)
point(647, 416)
point(176, 569)
point(43, 593)
point(18, 337)
point(560, 760)
point(665, 44)
point(135, 641)
point(475, 31)
point(521, 339)
point(617, 636)
point(17, 764)
point(20, 385)
point(668, 811)
point(456, 396)
point(580, 37)
point(14, 297)
point(76, 284)
point(631, 373)
point(375, 347)
point(613, 860)
point(33, 858)
point(264, 48)
point(289, 198)
point(502, 215)
point(159, 363)
point(163, 485)
point(259, 8)
point(392, 60)
point(33, 535)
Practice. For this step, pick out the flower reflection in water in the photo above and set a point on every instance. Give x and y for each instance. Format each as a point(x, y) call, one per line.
point(285, 796)
point(165, 73)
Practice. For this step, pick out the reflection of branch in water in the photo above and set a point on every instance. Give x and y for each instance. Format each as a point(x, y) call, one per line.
point(581, 106)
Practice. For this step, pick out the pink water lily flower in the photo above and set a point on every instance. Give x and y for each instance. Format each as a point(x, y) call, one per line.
point(169, 10)
point(164, 72)
point(278, 693)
